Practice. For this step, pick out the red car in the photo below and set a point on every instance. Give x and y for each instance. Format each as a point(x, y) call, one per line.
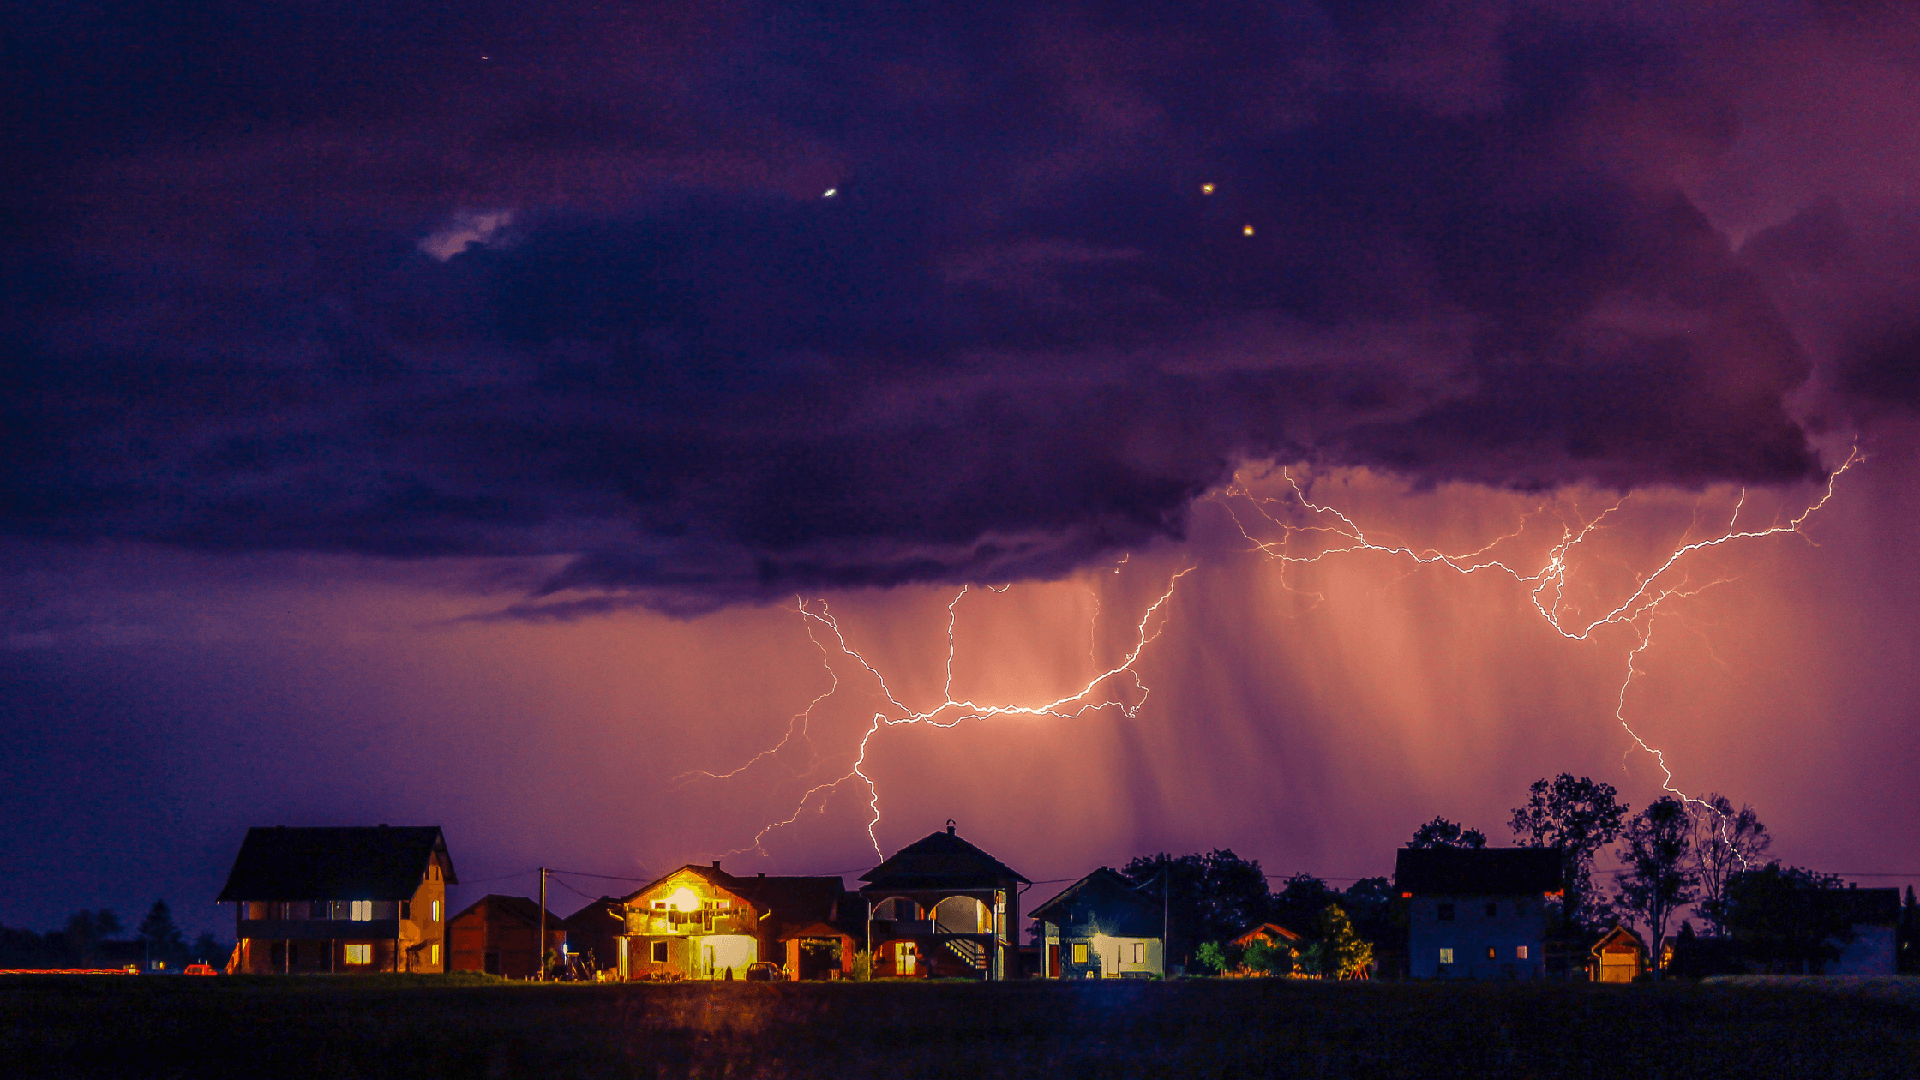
point(199, 969)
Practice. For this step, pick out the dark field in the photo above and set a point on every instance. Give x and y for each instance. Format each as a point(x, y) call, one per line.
point(105, 1026)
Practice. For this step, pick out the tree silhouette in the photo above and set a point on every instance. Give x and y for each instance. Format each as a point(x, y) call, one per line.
point(1578, 817)
point(1441, 833)
point(1656, 879)
point(1725, 841)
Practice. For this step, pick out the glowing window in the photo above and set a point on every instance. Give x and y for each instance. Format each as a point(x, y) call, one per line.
point(903, 958)
point(360, 954)
point(1139, 952)
point(1446, 956)
point(1445, 912)
point(659, 952)
point(436, 912)
point(1520, 952)
point(1079, 952)
point(1490, 952)
point(362, 911)
point(433, 953)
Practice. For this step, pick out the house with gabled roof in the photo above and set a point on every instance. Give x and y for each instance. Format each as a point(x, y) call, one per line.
point(1102, 927)
point(700, 922)
point(941, 907)
point(496, 934)
point(1618, 957)
point(1477, 913)
point(342, 899)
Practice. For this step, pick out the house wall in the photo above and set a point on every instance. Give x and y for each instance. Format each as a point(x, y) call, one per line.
point(1517, 922)
point(1105, 957)
point(481, 931)
point(1871, 952)
point(946, 917)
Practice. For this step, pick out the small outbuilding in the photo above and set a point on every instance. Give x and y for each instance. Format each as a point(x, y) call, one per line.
point(1618, 957)
point(496, 934)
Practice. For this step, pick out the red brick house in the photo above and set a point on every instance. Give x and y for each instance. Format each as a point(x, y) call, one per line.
point(343, 900)
point(495, 934)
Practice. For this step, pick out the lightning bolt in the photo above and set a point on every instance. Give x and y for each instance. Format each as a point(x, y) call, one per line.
point(949, 712)
point(1547, 585)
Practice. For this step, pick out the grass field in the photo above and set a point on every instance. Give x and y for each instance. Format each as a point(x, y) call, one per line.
point(72, 1027)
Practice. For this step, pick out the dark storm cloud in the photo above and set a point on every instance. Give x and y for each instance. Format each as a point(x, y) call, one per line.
point(321, 277)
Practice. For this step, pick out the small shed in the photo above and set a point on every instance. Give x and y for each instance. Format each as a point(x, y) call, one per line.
point(1618, 957)
point(496, 934)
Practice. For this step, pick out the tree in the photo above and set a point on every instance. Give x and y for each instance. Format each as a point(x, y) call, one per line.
point(1211, 897)
point(207, 949)
point(1441, 833)
point(1219, 956)
point(1267, 958)
point(164, 941)
point(1577, 817)
point(84, 933)
point(1299, 902)
point(1655, 879)
point(1335, 951)
point(1786, 919)
point(1725, 841)
point(1368, 902)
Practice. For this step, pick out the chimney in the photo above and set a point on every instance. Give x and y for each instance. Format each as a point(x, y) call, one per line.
point(949, 826)
point(763, 873)
point(716, 864)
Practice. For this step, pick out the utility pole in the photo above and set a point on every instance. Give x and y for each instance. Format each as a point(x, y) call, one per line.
point(540, 943)
point(1166, 918)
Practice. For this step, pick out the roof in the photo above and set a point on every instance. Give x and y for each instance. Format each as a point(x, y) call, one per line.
point(599, 916)
point(787, 901)
point(1879, 907)
point(519, 909)
point(1620, 935)
point(1269, 932)
point(1477, 872)
point(940, 860)
point(1110, 901)
point(368, 862)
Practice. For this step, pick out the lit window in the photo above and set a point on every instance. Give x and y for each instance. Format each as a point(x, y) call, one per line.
point(436, 911)
point(1139, 952)
point(1446, 912)
point(359, 954)
point(433, 953)
point(1491, 954)
point(1446, 956)
point(659, 952)
point(1079, 952)
point(362, 911)
point(1520, 952)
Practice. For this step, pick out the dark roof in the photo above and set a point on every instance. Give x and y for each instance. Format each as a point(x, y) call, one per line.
point(1109, 901)
point(1879, 907)
point(372, 862)
point(939, 860)
point(1477, 872)
point(601, 916)
point(520, 909)
point(793, 901)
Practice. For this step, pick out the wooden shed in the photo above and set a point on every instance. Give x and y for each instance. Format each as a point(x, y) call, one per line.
point(1618, 957)
point(496, 935)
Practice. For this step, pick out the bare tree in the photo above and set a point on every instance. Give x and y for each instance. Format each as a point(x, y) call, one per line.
point(1725, 842)
point(1656, 879)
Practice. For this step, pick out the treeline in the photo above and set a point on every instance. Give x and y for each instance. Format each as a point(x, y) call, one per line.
point(1757, 914)
point(92, 939)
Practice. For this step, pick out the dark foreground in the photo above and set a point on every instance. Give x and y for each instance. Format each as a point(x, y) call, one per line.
point(126, 1027)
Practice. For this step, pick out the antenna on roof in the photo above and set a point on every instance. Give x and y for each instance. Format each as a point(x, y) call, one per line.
point(949, 826)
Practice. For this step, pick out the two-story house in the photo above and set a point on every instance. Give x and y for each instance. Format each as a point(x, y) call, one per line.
point(941, 907)
point(1101, 927)
point(700, 922)
point(353, 899)
point(1476, 914)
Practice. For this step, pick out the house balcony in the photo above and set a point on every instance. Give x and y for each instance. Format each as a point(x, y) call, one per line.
point(329, 929)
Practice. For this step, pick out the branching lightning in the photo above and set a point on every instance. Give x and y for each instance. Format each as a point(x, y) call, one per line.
point(1297, 518)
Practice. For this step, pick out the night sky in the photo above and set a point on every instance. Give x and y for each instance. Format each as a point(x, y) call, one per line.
point(442, 413)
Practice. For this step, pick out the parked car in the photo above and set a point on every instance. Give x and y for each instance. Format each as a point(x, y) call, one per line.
point(199, 969)
point(764, 971)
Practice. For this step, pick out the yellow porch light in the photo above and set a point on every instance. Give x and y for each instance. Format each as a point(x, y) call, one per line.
point(684, 899)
